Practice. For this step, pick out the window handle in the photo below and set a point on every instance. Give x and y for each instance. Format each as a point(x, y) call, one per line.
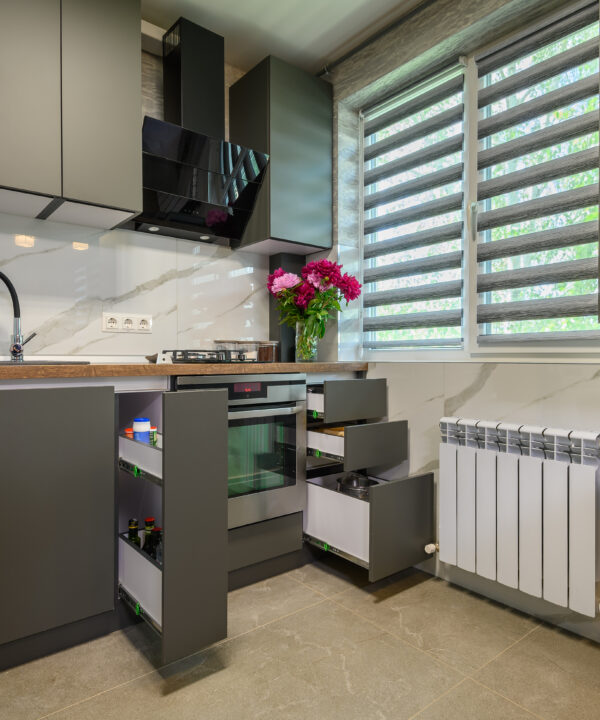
point(473, 207)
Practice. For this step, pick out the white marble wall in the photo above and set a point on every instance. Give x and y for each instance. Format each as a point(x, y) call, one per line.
point(67, 275)
point(548, 394)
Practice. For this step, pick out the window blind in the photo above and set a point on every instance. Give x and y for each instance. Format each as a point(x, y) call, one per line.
point(413, 221)
point(537, 195)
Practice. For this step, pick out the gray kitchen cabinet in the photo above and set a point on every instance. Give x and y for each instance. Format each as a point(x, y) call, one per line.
point(101, 102)
point(57, 500)
point(182, 483)
point(284, 111)
point(30, 144)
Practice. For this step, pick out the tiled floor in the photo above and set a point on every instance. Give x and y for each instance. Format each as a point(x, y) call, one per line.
point(319, 643)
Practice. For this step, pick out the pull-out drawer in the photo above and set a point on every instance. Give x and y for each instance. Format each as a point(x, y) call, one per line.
point(385, 533)
point(339, 401)
point(140, 582)
point(361, 446)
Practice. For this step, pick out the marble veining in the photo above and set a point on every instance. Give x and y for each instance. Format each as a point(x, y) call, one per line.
point(68, 275)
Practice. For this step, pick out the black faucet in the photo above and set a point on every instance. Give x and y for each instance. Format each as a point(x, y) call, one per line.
point(16, 341)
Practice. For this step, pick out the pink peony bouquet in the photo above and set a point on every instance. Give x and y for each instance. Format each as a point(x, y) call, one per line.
point(308, 300)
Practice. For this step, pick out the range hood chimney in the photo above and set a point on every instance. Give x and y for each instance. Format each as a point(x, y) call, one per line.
point(194, 78)
point(196, 185)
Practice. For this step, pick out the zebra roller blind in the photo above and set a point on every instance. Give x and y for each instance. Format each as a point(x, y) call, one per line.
point(537, 194)
point(413, 221)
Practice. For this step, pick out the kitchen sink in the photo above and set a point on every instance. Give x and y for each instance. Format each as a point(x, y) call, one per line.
point(45, 362)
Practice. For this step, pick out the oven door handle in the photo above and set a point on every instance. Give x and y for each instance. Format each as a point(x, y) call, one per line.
point(267, 412)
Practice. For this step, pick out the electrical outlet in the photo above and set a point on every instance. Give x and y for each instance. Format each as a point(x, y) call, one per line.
point(126, 323)
point(111, 322)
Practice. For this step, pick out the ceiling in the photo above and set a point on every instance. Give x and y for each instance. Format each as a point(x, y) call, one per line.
point(306, 33)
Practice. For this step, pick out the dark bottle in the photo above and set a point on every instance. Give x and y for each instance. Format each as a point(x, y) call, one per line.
point(148, 540)
point(134, 532)
point(158, 544)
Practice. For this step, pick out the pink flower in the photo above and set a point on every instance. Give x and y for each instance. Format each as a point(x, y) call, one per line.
point(272, 277)
point(305, 294)
point(284, 282)
point(349, 286)
point(322, 274)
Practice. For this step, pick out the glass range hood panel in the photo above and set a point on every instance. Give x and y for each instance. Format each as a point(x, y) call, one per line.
point(190, 182)
point(175, 143)
point(195, 186)
point(185, 217)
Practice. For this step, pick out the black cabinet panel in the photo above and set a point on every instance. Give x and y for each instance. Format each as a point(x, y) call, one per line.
point(57, 495)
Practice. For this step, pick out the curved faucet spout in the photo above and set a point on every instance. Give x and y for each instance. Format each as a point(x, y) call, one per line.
point(13, 295)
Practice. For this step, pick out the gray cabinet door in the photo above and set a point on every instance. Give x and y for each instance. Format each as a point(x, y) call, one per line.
point(30, 144)
point(301, 156)
point(287, 112)
point(57, 507)
point(101, 102)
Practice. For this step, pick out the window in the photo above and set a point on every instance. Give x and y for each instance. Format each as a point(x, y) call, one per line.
point(413, 200)
point(534, 208)
point(538, 187)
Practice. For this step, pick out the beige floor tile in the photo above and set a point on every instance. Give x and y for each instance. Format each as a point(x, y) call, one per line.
point(322, 663)
point(40, 687)
point(254, 605)
point(330, 575)
point(383, 677)
point(550, 672)
point(470, 701)
point(463, 629)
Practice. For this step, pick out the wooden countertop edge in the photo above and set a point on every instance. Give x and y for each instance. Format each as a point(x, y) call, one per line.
point(41, 372)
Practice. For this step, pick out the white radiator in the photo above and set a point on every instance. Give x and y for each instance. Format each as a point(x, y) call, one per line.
point(518, 505)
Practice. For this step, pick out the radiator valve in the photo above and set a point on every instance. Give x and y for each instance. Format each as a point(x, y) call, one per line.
point(432, 548)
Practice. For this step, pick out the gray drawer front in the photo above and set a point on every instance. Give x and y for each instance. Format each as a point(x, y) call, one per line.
point(375, 444)
point(348, 400)
point(400, 524)
point(265, 540)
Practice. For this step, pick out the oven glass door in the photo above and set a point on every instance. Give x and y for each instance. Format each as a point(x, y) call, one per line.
point(262, 450)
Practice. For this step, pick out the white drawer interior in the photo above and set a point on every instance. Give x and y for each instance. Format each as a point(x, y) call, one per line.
point(327, 444)
point(339, 520)
point(142, 579)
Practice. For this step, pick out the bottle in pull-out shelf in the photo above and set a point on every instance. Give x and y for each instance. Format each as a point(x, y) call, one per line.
point(158, 544)
point(141, 429)
point(148, 539)
point(134, 532)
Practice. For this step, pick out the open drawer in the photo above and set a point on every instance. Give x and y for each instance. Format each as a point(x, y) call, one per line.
point(361, 446)
point(339, 401)
point(140, 582)
point(385, 533)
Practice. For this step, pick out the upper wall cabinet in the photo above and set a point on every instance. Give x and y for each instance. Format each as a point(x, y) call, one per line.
point(281, 110)
point(101, 102)
point(30, 152)
point(70, 117)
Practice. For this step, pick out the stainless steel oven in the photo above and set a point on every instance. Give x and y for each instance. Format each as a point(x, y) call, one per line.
point(267, 443)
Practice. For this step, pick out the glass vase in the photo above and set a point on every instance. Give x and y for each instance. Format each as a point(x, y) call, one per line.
point(306, 344)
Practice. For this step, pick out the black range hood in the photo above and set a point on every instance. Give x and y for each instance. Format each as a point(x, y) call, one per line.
point(196, 186)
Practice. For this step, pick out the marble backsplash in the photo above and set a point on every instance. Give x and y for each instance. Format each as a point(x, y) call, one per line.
point(68, 275)
point(549, 394)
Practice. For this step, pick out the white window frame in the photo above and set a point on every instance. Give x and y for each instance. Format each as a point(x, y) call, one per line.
point(471, 351)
